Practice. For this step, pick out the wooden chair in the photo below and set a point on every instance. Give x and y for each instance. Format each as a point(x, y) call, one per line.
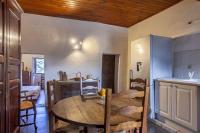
point(138, 84)
point(27, 103)
point(56, 126)
point(140, 125)
point(89, 88)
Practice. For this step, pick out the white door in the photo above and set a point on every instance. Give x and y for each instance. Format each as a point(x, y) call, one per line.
point(163, 99)
point(184, 105)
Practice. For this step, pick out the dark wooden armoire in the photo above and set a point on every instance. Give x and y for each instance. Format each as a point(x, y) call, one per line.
point(10, 58)
point(26, 78)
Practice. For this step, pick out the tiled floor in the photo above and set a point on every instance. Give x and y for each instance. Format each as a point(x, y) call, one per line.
point(42, 121)
point(41, 99)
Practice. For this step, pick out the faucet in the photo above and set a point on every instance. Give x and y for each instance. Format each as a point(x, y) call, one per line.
point(190, 74)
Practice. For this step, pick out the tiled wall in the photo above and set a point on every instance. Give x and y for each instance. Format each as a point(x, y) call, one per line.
point(187, 56)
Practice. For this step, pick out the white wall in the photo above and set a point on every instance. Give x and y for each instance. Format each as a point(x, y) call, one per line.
point(50, 36)
point(140, 52)
point(28, 60)
point(172, 22)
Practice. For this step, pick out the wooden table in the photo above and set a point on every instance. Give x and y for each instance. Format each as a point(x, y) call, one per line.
point(89, 113)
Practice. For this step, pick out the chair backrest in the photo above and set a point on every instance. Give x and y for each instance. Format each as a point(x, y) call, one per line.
point(138, 84)
point(50, 94)
point(128, 111)
point(107, 110)
point(51, 101)
point(89, 87)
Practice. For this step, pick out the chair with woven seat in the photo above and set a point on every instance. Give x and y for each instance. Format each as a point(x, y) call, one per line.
point(138, 125)
point(57, 126)
point(27, 103)
point(89, 87)
point(138, 84)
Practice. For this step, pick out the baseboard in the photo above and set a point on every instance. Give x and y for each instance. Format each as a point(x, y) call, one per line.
point(164, 126)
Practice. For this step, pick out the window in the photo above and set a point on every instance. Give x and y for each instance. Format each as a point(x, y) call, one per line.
point(39, 65)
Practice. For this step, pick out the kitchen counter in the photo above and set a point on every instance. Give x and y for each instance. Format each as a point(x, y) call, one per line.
point(195, 82)
point(177, 104)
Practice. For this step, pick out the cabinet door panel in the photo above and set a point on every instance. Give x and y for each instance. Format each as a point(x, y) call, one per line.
point(1, 28)
point(185, 105)
point(164, 99)
point(2, 111)
point(13, 72)
point(14, 103)
point(13, 78)
point(14, 30)
point(2, 83)
point(2, 102)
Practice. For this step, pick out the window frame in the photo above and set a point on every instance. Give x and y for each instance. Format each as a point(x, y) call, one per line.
point(36, 66)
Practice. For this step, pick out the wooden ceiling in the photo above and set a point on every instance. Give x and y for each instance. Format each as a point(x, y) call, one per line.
point(123, 13)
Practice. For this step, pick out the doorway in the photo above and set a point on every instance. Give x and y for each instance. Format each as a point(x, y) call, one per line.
point(110, 71)
point(33, 76)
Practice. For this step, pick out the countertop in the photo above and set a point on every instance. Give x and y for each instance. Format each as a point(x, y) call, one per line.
point(195, 82)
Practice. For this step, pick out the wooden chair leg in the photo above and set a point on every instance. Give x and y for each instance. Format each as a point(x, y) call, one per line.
point(128, 131)
point(26, 115)
point(35, 114)
point(137, 130)
point(85, 129)
point(51, 123)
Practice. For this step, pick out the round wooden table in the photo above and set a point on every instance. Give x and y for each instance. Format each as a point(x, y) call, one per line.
point(88, 113)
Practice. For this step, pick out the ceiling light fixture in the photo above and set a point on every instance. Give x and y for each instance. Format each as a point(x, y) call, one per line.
point(72, 40)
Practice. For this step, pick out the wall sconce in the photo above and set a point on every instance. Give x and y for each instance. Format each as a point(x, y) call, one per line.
point(78, 46)
point(73, 40)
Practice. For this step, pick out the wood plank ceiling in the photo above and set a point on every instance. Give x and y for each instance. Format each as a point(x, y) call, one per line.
point(123, 13)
